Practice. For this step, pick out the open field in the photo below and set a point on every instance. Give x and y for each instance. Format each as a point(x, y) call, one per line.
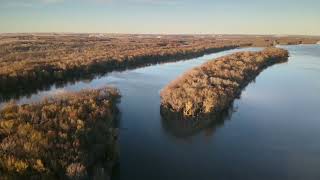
point(71, 136)
point(212, 87)
point(29, 62)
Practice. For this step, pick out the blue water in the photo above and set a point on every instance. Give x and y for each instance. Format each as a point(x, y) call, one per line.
point(272, 133)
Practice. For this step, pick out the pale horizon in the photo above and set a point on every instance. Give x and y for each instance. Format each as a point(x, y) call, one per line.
point(246, 17)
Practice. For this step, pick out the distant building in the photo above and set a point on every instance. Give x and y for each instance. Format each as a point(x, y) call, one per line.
point(275, 42)
point(97, 35)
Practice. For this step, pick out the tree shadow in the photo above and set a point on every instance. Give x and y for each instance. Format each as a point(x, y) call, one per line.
point(182, 127)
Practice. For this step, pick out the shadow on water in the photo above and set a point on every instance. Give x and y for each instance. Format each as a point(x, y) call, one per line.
point(178, 126)
point(33, 87)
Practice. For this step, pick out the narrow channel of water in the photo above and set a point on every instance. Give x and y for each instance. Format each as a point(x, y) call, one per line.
point(271, 133)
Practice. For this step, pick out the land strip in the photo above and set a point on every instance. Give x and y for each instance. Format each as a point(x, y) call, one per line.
point(212, 87)
point(71, 136)
point(30, 62)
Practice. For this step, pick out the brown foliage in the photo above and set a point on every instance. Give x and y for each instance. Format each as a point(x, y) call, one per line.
point(38, 59)
point(213, 86)
point(60, 137)
point(34, 60)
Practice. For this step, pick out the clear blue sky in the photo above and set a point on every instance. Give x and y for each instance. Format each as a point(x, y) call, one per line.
point(162, 16)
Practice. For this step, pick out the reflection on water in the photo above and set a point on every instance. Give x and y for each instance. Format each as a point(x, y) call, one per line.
point(274, 133)
point(181, 127)
point(37, 87)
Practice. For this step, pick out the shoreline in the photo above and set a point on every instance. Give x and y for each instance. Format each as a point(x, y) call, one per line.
point(25, 85)
point(213, 86)
point(37, 65)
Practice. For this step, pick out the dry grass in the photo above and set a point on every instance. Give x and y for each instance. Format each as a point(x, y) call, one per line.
point(213, 86)
point(61, 137)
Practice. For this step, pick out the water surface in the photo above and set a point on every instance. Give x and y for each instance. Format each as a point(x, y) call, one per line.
point(272, 131)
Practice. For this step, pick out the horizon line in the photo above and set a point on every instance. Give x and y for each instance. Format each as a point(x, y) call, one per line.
point(115, 33)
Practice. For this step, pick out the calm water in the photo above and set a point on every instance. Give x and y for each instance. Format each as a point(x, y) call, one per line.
point(272, 131)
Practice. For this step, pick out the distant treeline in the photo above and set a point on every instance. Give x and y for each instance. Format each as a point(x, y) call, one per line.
point(71, 136)
point(213, 86)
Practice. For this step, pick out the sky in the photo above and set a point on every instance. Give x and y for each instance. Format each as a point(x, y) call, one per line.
point(161, 16)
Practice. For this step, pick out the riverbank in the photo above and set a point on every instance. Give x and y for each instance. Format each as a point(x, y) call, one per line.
point(31, 62)
point(37, 61)
point(213, 86)
point(256, 131)
point(40, 76)
point(70, 136)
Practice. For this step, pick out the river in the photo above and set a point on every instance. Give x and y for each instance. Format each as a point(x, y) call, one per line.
point(272, 131)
